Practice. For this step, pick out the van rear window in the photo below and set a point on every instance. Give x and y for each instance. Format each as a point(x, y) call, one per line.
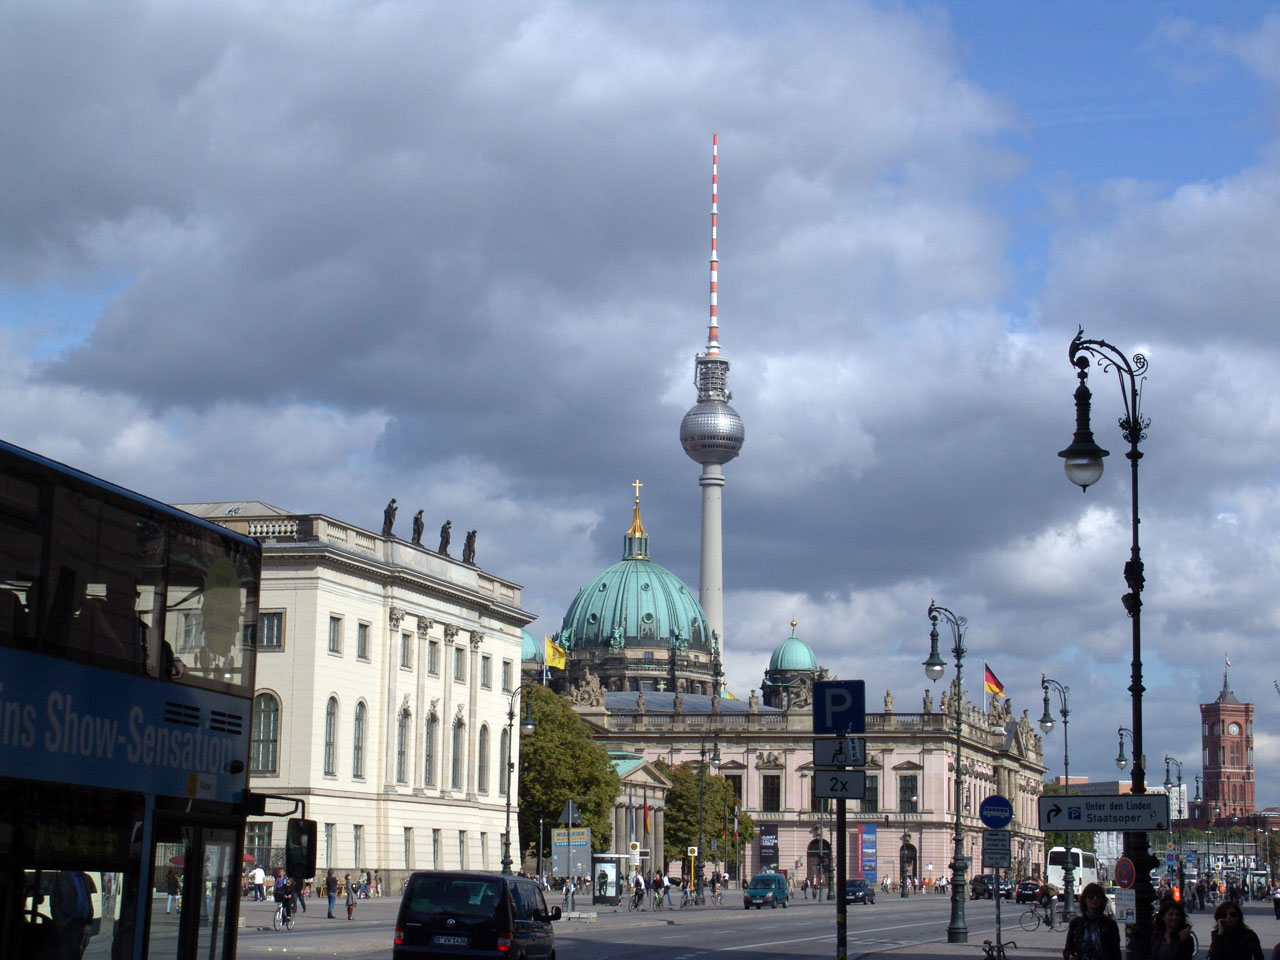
point(456, 896)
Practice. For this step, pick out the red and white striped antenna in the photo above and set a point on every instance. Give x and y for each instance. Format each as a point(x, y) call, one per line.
point(713, 326)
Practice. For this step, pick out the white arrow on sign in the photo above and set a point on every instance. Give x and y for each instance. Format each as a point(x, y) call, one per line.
point(839, 784)
point(840, 752)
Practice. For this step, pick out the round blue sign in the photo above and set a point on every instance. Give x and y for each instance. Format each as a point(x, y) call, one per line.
point(996, 812)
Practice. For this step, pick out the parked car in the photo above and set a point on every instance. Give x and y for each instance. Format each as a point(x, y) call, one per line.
point(1028, 891)
point(765, 889)
point(1006, 888)
point(857, 890)
point(453, 914)
point(980, 887)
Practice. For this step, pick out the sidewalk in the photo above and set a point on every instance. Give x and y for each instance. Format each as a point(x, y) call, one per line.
point(1044, 944)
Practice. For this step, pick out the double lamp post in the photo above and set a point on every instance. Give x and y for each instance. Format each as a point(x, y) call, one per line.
point(526, 727)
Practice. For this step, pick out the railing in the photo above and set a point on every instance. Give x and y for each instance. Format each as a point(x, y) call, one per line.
point(273, 528)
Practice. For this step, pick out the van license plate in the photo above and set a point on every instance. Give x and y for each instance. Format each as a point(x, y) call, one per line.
point(450, 941)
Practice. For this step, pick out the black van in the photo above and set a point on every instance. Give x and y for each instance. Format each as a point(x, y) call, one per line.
point(457, 914)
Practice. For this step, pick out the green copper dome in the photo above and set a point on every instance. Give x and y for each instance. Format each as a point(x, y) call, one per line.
point(531, 651)
point(635, 603)
point(793, 654)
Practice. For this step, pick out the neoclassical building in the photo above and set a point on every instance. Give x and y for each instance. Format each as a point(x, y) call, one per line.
point(384, 674)
point(650, 694)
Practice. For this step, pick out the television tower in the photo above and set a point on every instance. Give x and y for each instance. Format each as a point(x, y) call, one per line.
point(712, 434)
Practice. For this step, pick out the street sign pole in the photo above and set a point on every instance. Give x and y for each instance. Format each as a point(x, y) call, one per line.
point(842, 852)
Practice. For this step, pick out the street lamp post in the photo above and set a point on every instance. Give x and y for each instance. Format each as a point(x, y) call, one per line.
point(957, 930)
point(526, 726)
point(1046, 724)
point(1083, 463)
point(1179, 813)
point(702, 793)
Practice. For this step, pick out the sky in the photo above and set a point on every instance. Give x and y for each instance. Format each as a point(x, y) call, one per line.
point(321, 254)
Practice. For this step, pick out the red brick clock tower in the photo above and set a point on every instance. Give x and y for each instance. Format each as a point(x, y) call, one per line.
point(1226, 736)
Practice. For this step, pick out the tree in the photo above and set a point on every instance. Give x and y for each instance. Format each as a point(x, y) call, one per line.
point(560, 762)
point(1084, 839)
point(681, 830)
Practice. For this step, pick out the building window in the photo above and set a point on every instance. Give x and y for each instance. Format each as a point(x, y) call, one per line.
point(433, 658)
point(459, 755)
point(504, 761)
point(486, 672)
point(429, 753)
point(357, 744)
point(871, 799)
point(484, 850)
point(330, 838)
point(908, 793)
point(335, 635)
point(506, 676)
point(257, 842)
point(735, 784)
point(459, 664)
point(271, 630)
point(264, 746)
point(406, 650)
point(462, 849)
point(482, 760)
point(408, 848)
point(357, 839)
point(402, 749)
point(362, 641)
point(771, 793)
point(331, 738)
point(435, 849)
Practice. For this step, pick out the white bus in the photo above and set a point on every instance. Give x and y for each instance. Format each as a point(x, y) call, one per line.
point(1084, 868)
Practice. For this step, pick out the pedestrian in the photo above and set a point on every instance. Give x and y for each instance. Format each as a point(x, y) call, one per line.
point(1202, 891)
point(351, 896)
point(1171, 936)
point(1275, 898)
point(1231, 939)
point(172, 889)
point(331, 891)
point(1093, 935)
point(299, 888)
point(259, 879)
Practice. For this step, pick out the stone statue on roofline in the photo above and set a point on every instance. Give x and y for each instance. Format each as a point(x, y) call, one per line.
point(389, 518)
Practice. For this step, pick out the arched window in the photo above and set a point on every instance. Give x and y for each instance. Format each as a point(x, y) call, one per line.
point(482, 760)
point(504, 760)
point(265, 742)
point(331, 738)
point(357, 743)
point(402, 749)
point(459, 755)
point(429, 752)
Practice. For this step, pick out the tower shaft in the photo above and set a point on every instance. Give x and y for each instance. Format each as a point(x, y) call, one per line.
point(711, 568)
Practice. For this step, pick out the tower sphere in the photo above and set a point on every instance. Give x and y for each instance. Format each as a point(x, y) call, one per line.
point(711, 432)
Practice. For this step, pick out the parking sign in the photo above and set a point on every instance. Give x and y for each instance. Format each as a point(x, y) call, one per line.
point(839, 707)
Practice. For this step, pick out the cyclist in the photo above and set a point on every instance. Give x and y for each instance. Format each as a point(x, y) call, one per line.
point(282, 889)
point(637, 897)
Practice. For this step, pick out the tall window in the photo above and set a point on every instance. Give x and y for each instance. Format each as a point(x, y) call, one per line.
point(330, 841)
point(429, 752)
point(402, 749)
point(735, 784)
point(504, 761)
point(335, 634)
point(331, 738)
point(871, 798)
point(462, 849)
point(406, 650)
point(433, 657)
point(257, 841)
point(459, 663)
point(271, 630)
point(506, 676)
point(408, 848)
point(265, 742)
point(908, 793)
point(459, 755)
point(482, 760)
point(357, 840)
point(357, 743)
point(486, 672)
point(771, 793)
point(362, 641)
point(436, 852)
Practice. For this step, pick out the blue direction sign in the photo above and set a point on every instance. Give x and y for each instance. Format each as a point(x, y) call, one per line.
point(996, 812)
point(839, 707)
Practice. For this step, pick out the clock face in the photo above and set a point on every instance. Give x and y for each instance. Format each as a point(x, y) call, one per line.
point(1234, 729)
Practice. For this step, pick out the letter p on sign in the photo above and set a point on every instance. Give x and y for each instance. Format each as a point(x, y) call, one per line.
point(839, 707)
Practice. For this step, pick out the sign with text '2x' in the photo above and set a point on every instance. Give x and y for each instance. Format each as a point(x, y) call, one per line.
point(839, 784)
point(839, 707)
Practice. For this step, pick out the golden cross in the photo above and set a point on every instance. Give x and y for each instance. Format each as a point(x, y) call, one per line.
point(637, 484)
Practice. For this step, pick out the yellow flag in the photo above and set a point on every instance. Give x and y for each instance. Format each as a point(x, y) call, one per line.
point(555, 655)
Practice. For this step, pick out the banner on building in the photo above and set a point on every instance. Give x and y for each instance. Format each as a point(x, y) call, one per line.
point(768, 846)
point(862, 853)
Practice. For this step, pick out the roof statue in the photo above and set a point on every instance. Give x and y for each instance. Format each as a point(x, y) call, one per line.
point(389, 518)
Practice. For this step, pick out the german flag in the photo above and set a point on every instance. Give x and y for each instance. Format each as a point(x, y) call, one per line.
point(991, 683)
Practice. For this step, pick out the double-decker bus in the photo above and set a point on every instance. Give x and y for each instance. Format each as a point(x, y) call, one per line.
point(1084, 868)
point(126, 684)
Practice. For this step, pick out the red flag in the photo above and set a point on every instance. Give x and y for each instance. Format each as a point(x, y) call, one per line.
point(646, 816)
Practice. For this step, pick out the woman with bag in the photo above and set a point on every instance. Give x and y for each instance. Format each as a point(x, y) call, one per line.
point(1093, 935)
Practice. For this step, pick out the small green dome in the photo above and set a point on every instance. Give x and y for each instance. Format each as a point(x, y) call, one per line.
point(532, 649)
point(793, 654)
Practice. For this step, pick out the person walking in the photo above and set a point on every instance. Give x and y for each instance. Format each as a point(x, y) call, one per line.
point(172, 890)
point(331, 891)
point(1275, 898)
point(1093, 935)
point(259, 880)
point(1171, 937)
point(1231, 939)
point(351, 896)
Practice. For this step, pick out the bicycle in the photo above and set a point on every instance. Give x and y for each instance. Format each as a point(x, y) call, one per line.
point(635, 901)
point(995, 951)
point(685, 899)
point(1036, 915)
point(282, 918)
point(717, 896)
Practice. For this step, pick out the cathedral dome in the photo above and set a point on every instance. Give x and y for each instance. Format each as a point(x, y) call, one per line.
point(793, 654)
point(531, 650)
point(635, 603)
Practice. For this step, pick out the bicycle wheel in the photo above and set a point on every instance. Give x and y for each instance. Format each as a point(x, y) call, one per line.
point(1195, 944)
point(277, 919)
point(288, 924)
point(1030, 920)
